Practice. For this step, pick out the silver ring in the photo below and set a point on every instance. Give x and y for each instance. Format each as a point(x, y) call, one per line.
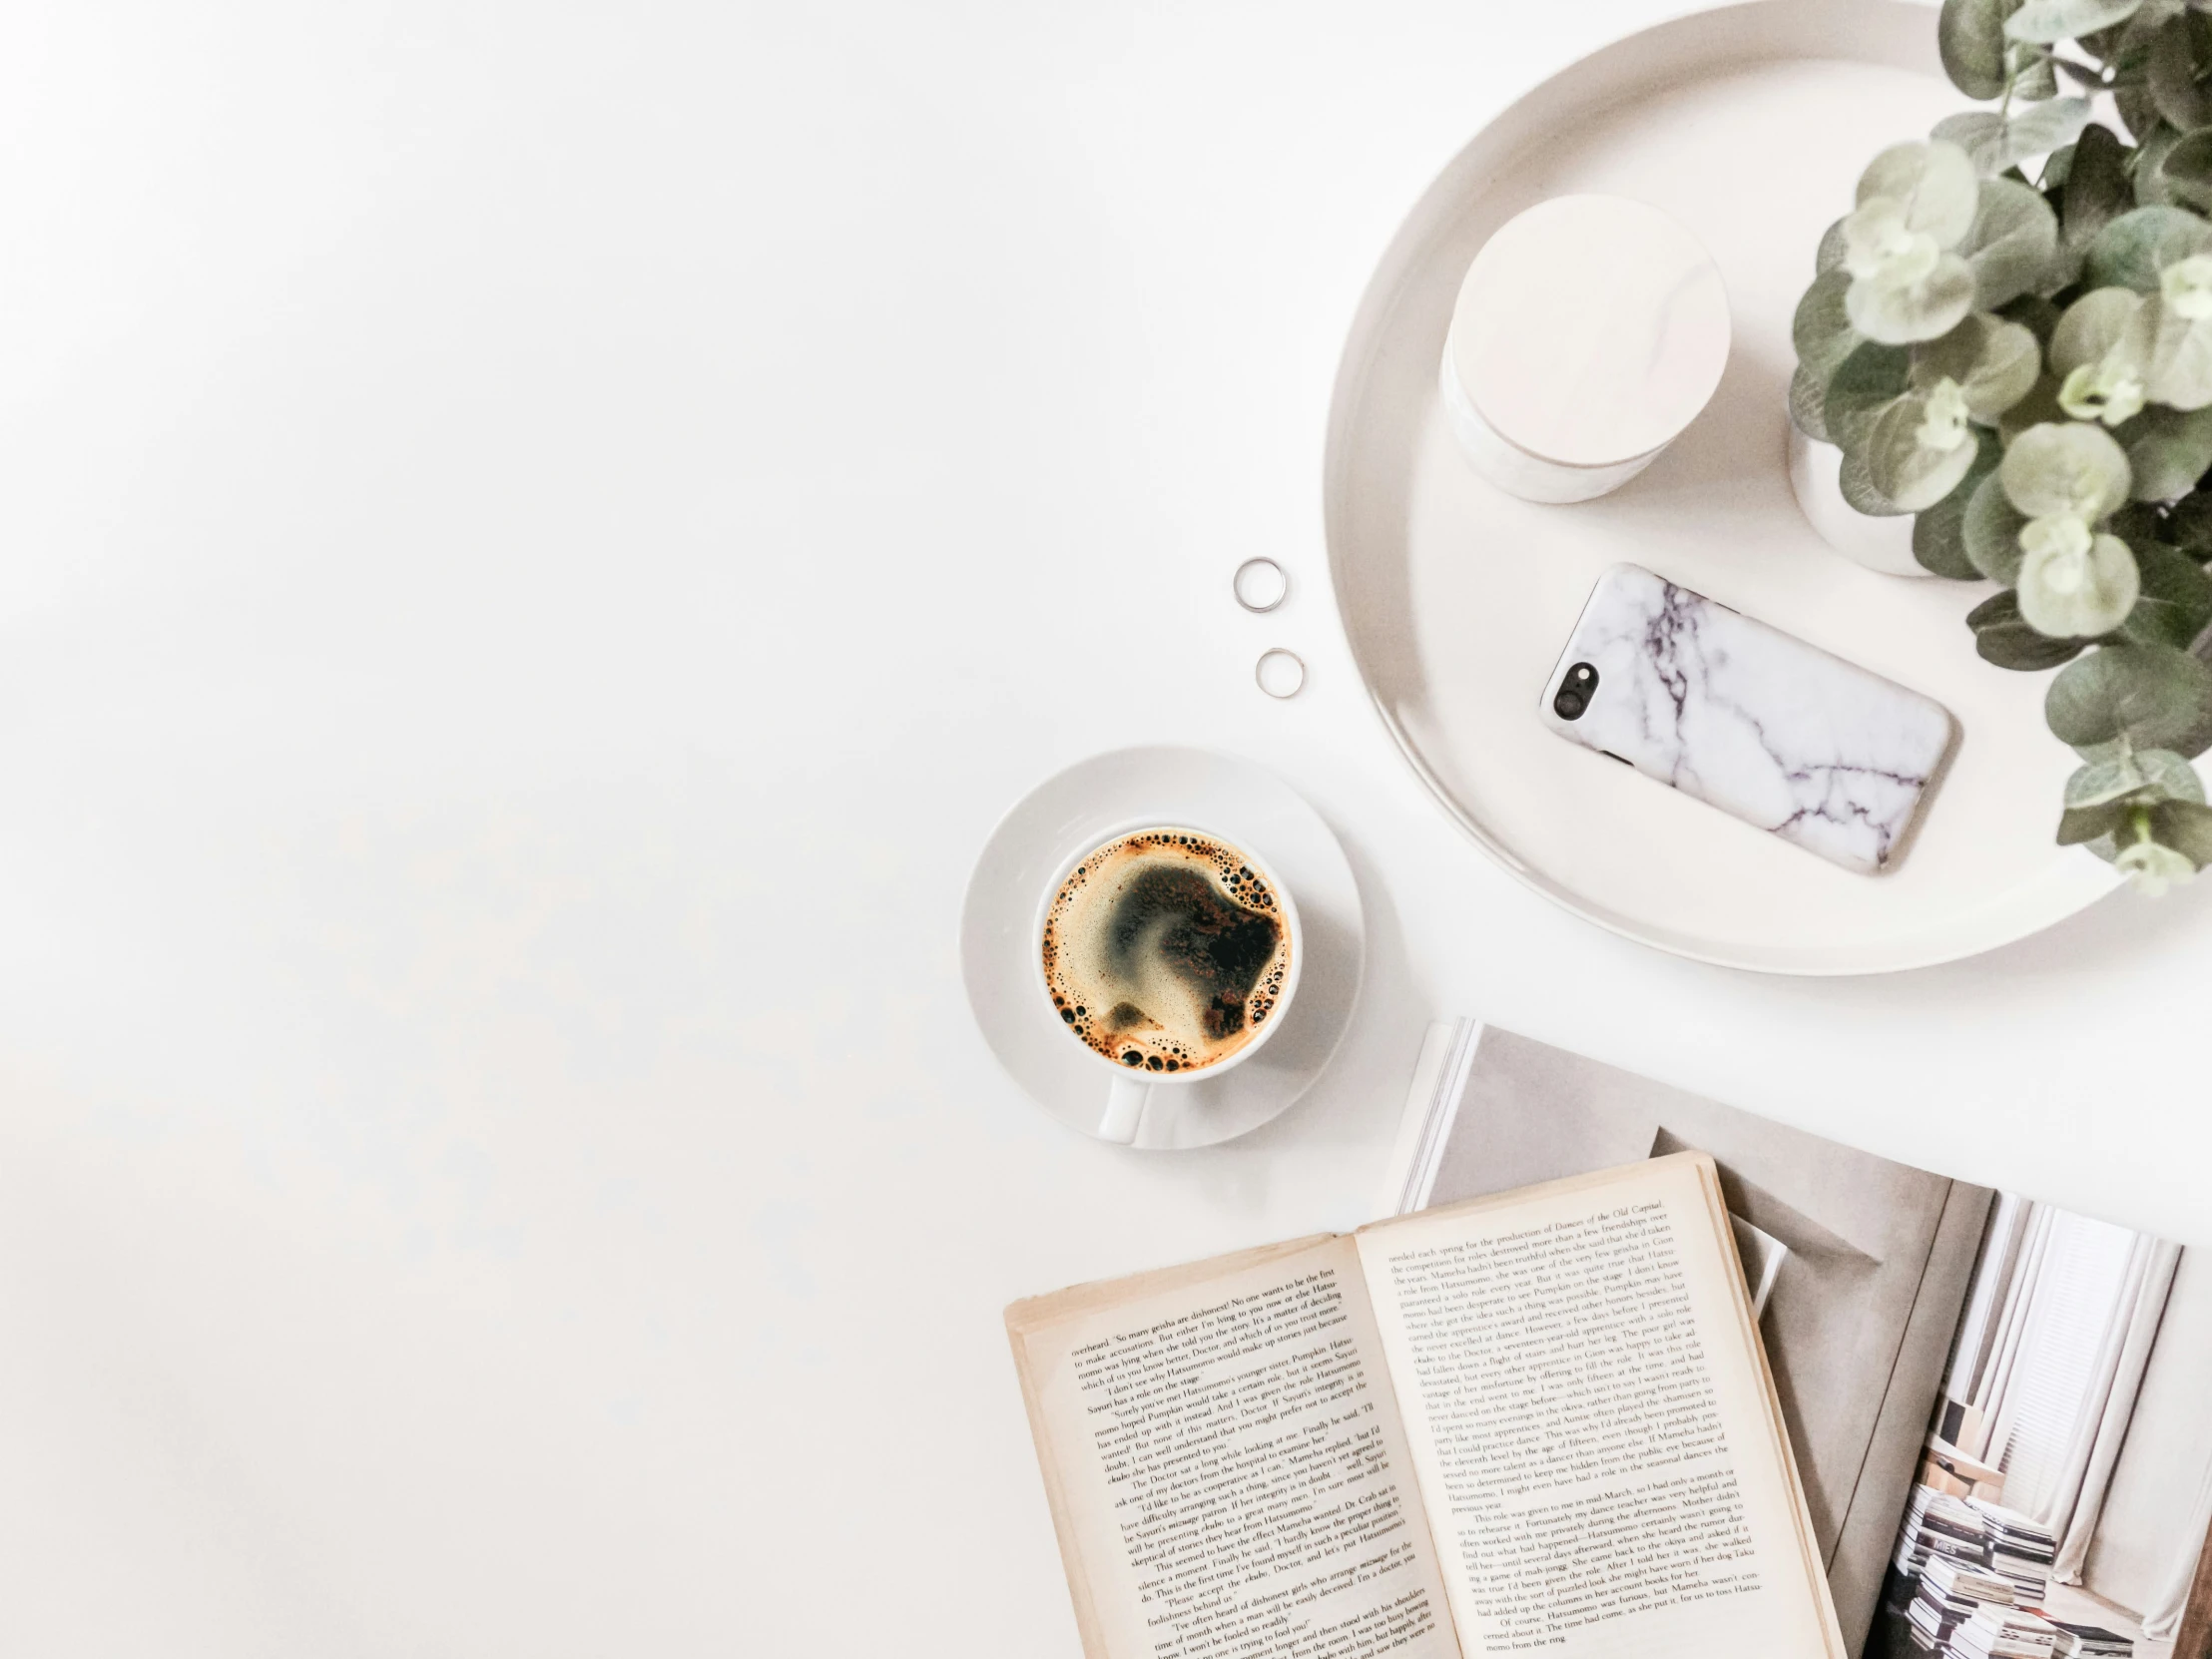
point(1279, 673)
point(1255, 580)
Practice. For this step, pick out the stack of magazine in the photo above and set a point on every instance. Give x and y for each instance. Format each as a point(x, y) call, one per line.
point(2089, 1641)
point(2019, 1550)
point(1939, 1526)
point(2004, 1633)
point(1952, 1592)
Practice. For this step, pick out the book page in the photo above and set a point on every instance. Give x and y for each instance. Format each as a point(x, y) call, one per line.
point(1596, 1438)
point(1225, 1465)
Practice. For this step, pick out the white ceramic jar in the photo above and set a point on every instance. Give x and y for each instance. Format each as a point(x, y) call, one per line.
point(1588, 333)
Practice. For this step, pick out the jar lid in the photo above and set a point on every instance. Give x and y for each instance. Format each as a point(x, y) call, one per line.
point(1590, 330)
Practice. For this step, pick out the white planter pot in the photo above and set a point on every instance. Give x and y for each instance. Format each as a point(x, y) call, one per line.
point(1884, 544)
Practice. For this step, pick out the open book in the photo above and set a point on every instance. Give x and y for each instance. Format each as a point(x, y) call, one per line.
point(1540, 1420)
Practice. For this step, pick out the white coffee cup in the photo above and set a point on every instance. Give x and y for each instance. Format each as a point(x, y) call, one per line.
point(1129, 1093)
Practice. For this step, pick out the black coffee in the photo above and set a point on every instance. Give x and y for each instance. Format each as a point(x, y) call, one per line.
point(1166, 949)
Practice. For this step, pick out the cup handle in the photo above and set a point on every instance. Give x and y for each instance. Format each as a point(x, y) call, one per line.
point(1124, 1110)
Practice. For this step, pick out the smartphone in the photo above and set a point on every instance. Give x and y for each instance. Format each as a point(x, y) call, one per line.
point(1827, 755)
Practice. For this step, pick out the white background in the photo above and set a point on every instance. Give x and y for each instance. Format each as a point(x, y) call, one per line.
point(535, 542)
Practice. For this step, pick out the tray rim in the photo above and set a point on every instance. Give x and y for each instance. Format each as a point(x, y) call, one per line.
point(1897, 34)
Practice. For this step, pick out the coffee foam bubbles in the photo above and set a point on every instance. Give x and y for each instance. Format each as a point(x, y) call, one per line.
point(1166, 949)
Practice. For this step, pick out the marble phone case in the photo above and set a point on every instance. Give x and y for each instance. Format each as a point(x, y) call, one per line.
point(1745, 718)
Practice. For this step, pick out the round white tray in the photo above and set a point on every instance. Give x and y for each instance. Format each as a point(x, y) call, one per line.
point(1750, 123)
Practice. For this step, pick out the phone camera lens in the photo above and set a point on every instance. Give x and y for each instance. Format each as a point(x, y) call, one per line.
point(1573, 695)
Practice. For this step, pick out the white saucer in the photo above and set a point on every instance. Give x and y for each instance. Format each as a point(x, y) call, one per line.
point(1244, 802)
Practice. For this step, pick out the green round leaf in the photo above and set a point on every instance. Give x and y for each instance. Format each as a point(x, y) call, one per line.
point(1857, 488)
point(2123, 46)
point(1935, 183)
point(1979, 133)
point(1859, 391)
point(2171, 72)
point(1994, 362)
point(1938, 533)
point(2097, 189)
point(2170, 774)
point(2154, 696)
point(2103, 781)
point(2114, 385)
point(2140, 779)
point(2077, 825)
point(2041, 128)
point(1990, 531)
point(2003, 638)
point(2072, 470)
point(1971, 36)
point(1926, 308)
point(2011, 243)
point(2176, 600)
point(2073, 585)
point(2092, 326)
point(1994, 143)
point(1822, 329)
point(2186, 169)
point(2167, 452)
point(1904, 466)
point(2047, 21)
point(2134, 248)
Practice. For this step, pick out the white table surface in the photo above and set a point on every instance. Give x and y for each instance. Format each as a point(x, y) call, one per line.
point(538, 541)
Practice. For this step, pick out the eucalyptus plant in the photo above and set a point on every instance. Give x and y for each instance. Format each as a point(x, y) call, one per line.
point(2025, 363)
